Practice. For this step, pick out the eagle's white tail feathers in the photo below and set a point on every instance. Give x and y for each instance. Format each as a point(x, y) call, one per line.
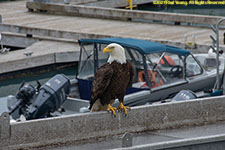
point(97, 106)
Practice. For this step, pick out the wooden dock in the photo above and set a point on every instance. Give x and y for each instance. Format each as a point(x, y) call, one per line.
point(16, 16)
point(79, 21)
point(41, 53)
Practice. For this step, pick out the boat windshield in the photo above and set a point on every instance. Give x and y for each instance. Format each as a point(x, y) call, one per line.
point(167, 68)
point(163, 68)
point(193, 68)
point(91, 58)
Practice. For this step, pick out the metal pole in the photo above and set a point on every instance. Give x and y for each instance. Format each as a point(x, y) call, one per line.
point(1, 45)
point(217, 57)
point(146, 72)
point(217, 52)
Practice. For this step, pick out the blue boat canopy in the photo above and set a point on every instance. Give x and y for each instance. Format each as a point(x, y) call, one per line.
point(144, 47)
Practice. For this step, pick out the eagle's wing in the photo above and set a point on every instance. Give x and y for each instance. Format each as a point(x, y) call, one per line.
point(131, 72)
point(100, 83)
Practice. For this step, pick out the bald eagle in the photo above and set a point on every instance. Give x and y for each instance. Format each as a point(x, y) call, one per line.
point(111, 81)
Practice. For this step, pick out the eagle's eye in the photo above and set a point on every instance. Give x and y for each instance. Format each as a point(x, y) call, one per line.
point(111, 48)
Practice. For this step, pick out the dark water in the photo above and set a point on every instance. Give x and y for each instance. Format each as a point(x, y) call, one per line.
point(214, 10)
point(10, 86)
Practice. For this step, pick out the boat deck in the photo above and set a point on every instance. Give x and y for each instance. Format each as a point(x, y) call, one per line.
point(152, 140)
point(193, 124)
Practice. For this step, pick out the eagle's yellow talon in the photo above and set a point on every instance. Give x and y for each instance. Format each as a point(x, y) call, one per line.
point(124, 108)
point(113, 109)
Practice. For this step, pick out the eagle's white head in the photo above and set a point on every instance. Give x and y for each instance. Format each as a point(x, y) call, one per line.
point(117, 53)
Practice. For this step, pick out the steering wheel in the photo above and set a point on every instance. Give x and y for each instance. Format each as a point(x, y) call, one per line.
point(176, 71)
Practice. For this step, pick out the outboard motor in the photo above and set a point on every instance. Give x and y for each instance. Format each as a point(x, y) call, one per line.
point(23, 99)
point(48, 99)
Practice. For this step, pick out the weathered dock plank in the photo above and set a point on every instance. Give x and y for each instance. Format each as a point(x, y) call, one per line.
point(43, 53)
point(48, 32)
point(17, 40)
point(124, 30)
point(111, 13)
point(73, 26)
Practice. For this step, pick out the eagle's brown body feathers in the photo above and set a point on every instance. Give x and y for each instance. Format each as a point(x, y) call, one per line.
point(110, 82)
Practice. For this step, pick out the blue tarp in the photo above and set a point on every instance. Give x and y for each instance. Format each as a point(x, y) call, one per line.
point(144, 47)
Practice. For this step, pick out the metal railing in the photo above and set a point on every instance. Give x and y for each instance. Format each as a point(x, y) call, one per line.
point(215, 43)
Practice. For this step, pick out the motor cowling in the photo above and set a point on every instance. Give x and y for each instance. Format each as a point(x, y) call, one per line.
point(50, 97)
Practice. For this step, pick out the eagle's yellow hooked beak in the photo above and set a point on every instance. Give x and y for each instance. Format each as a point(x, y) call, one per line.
point(107, 49)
